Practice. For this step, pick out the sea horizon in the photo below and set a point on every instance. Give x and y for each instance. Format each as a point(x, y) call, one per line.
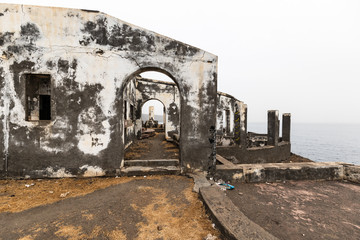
point(322, 142)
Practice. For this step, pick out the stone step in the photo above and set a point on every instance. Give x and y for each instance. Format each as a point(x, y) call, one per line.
point(146, 171)
point(151, 163)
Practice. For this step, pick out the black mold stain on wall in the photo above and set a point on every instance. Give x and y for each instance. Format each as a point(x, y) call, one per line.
point(63, 65)
point(125, 37)
point(18, 68)
point(173, 113)
point(212, 156)
point(30, 32)
point(181, 49)
point(71, 14)
point(2, 80)
point(6, 37)
point(121, 37)
point(2, 84)
point(50, 65)
point(68, 109)
point(138, 109)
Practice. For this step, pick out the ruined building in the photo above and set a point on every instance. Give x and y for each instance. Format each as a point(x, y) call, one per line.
point(71, 96)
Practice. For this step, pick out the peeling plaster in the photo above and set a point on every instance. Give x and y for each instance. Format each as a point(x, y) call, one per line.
point(92, 139)
point(60, 173)
point(92, 171)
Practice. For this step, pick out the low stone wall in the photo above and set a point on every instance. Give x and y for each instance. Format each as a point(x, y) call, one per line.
point(275, 172)
point(267, 154)
point(352, 173)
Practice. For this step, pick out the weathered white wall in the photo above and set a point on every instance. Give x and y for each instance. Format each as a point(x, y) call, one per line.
point(237, 133)
point(90, 57)
point(129, 95)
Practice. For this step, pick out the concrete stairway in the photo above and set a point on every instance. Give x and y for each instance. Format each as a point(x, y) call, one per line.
point(150, 167)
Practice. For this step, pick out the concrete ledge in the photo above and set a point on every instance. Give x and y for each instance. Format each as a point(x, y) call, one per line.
point(232, 223)
point(143, 171)
point(199, 180)
point(151, 163)
point(273, 172)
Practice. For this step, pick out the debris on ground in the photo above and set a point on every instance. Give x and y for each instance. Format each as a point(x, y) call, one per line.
point(64, 194)
point(210, 237)
point(224, 186)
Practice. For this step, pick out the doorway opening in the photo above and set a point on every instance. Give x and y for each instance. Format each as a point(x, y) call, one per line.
point(154, 133)
point(153, 114)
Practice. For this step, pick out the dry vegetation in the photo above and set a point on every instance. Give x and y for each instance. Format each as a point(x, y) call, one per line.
point(136, 150)
point(168, 220)
point(19, 195)
point(171, 148)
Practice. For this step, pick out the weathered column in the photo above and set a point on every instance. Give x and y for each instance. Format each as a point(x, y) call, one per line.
point(237, 124)
point(151, 113)
point(240, 123)
point(286, 122)
point(243, 125)
point(273, 127)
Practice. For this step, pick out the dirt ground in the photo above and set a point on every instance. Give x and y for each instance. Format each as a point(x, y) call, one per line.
point(303, 209)
point(20, 195)
point(155, 147)
point(158, 207)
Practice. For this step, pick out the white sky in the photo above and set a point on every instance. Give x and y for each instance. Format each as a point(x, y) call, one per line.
point(158, 107)
point(298, 56)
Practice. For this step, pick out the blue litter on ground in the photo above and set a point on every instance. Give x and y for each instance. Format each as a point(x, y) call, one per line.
point(227, 186)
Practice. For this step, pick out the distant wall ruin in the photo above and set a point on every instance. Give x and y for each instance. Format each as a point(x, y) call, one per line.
point(240, 146)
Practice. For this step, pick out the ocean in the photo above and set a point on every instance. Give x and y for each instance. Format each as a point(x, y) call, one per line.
point(158, 118)
point(322, 142)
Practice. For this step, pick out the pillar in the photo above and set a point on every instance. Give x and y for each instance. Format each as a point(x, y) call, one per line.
point(151, 113)
point(273, 128)
point(241, 124)
point(286, 122)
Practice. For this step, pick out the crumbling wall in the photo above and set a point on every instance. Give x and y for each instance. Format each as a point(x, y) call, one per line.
point(231, 121)
point(90, 58)
point(266, 154)
point(259, 149)
point(168, 94)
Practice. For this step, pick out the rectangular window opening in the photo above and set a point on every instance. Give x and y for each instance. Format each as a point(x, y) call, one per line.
point(45, 107)
point(38, 97)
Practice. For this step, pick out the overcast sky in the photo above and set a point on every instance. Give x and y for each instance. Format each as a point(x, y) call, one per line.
point(298, 56)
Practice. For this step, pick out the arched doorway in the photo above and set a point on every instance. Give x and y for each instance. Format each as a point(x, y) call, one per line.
point(153, 114)
point(158, 139)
